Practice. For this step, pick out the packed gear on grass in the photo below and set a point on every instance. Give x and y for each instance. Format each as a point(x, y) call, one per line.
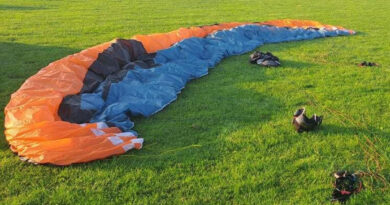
point(264, 59)
point(80, 108)
point(369, 64)
point(345, 185)
point(302, 123)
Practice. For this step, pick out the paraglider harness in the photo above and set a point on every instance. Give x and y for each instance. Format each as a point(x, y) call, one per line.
point(345, 185)
point(369, 64)
point(264, 59)
point(302, 123)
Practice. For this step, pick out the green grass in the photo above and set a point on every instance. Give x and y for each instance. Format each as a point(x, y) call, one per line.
point(228, 137)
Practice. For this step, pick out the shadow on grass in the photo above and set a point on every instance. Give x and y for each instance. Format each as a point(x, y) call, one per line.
point(19, 8)
point(361, 33)
point(296, 64)
point(336, 129)
point(18, 62)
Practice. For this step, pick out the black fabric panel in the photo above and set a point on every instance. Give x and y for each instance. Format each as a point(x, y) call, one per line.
point(110, 67)
point(120, 53)
point(135, 48)
point(71, 107)
point(105, 64)
point(91, 82)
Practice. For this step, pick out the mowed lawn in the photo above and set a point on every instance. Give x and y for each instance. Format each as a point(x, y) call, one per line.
point(228, 137)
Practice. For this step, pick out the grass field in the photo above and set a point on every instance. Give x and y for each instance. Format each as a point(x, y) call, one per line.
point(228, 137)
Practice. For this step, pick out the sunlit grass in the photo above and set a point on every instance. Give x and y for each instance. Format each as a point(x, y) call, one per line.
point(228, 137)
